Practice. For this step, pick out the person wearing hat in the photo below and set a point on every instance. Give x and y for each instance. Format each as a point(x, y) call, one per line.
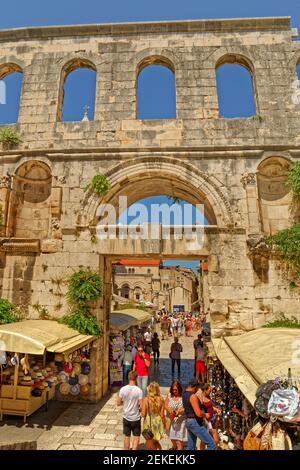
point(195, 418)
point(130, 396)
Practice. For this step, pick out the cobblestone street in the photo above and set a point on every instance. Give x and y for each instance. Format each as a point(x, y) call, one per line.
point(92, 427)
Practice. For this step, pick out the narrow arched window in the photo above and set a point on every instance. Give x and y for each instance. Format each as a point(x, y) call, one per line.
point(235, 88)
point(77, 92)
point(156, 91)
point(11, 78)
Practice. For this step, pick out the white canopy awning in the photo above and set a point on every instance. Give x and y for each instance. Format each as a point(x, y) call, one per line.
point(260, 355)
point(37, 336)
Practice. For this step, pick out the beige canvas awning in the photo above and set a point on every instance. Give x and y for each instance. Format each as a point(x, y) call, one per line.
point(123, 319)
point(260, 355)
point(36, 336)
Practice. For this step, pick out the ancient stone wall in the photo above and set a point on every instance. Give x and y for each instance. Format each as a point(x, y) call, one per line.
point(198, 156)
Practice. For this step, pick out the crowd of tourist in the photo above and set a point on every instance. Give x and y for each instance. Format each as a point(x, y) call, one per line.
point(185, 414)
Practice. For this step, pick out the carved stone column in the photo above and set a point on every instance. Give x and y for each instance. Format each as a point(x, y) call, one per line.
point(250, 185)
point(5, 190)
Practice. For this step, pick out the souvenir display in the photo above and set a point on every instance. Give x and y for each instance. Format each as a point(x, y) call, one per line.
point(116, 352)
point(76, 369)
point(75, 390)
point(84, 390)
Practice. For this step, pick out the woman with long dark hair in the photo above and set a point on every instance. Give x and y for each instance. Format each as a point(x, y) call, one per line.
point(174, 407)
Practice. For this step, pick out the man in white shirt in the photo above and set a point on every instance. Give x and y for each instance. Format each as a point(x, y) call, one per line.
point(130, 397)
point(147, 341)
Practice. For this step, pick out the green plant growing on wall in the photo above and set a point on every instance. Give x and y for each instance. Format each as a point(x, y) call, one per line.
point(42, 311)
point(292, 285)
point(84, 286)
point(293, 180)
point(7, 312)
point(288, 243)
point(58, 306)
point(281, 321)
point(99, 184)
point(82, 321)
point(9, 137)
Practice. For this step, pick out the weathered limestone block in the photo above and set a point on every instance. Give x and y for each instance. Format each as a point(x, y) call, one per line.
point(51, 246)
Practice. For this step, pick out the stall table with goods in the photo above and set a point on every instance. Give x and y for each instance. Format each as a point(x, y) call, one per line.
point(252, 366)
point(37, 359)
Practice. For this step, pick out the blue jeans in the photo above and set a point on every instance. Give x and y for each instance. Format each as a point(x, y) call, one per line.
point(196, 430)
point(142, 382)
point(126, 370)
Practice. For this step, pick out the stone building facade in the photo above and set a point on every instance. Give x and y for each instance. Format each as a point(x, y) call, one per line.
point(236, 168)
point(143, 280)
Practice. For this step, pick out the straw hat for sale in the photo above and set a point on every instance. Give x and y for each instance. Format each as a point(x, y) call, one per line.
point(85, 368)
point(63, 377)
point(59, 357)
point(84, 389)
point(75, 390)
point(64, 388)
point(76, 368)
point(73, 379)
point(83, 379)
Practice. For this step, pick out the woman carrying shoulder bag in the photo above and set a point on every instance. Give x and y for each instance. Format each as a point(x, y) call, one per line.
point(153, 412)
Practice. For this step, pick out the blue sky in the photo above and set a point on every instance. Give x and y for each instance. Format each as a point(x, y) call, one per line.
point(18, 13)
point(152, 99)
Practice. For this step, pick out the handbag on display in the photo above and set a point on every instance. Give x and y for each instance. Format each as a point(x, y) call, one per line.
point(284, 403)
point(253, 440)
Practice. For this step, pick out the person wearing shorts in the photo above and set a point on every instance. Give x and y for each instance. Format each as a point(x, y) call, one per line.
point(200, 364)
point(130, 397)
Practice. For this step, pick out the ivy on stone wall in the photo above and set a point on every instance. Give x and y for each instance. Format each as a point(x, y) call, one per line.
point(293, 180)
point(83, 321)
point(9, 137)
point(7, 312)
point(287, 241)
point(99, 184)
point(84, 287)
point(281, 321)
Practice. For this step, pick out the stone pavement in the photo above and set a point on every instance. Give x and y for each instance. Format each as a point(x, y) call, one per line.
point(97, 426)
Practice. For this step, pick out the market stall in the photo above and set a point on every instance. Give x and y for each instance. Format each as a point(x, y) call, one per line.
point(262, 367)
point(124, 325)
point(40, 358)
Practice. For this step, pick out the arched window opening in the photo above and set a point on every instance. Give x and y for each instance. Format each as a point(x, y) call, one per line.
point(156, 90)
point(125, 291)
point(78, 92)
point(235, 88)
point(138, 293)
point(11, 78)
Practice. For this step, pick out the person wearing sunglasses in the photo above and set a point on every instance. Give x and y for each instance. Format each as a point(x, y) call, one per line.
point(175, 409)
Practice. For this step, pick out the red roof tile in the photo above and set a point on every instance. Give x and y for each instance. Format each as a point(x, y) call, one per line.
point(139, 262)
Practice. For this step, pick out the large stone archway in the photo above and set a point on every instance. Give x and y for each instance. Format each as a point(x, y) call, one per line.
point(147, 176)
